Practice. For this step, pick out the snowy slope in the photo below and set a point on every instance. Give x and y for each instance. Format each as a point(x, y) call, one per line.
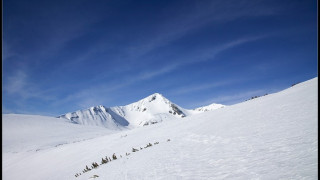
point(271, 137)
point(33, 133)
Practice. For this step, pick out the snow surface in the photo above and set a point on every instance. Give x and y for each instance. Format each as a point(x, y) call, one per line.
point(271, 137)
point(33, 133)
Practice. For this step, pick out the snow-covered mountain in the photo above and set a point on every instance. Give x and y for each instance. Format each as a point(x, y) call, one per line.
point(97, 116)
point(210, 107)
point(150, 110)
point(271, 137)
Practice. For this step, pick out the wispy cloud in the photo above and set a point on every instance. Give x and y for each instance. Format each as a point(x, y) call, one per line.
point(8, 51)
point(200, 15)
point(181, 24)
point(165, 32)
point(16, 83)
point(151, 74)
point(102, 92)
point(208, 54)
point(198, 87)
point(21, 90)
point(47, 38)
point(86, 97)
point(203, 55)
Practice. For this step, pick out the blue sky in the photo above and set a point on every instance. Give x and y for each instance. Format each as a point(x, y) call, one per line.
point(61, 56)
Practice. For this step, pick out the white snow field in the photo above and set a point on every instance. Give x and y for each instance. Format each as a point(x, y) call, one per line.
point(33, 133)
point(271, 137)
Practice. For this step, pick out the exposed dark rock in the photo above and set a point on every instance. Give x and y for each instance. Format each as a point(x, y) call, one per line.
point(176, 110)
point(153, 98)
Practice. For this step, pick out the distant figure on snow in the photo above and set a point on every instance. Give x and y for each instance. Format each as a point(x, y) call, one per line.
point(114, 157)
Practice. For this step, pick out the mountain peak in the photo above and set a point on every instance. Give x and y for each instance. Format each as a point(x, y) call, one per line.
point(99, 106)
point(209, 107)
point(155, 96)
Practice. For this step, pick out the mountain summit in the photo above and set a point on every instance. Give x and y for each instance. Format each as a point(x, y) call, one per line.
point(210, 107)
point(150, 110)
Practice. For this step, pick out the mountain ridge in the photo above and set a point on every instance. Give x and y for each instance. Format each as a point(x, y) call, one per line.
point(150, 110)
